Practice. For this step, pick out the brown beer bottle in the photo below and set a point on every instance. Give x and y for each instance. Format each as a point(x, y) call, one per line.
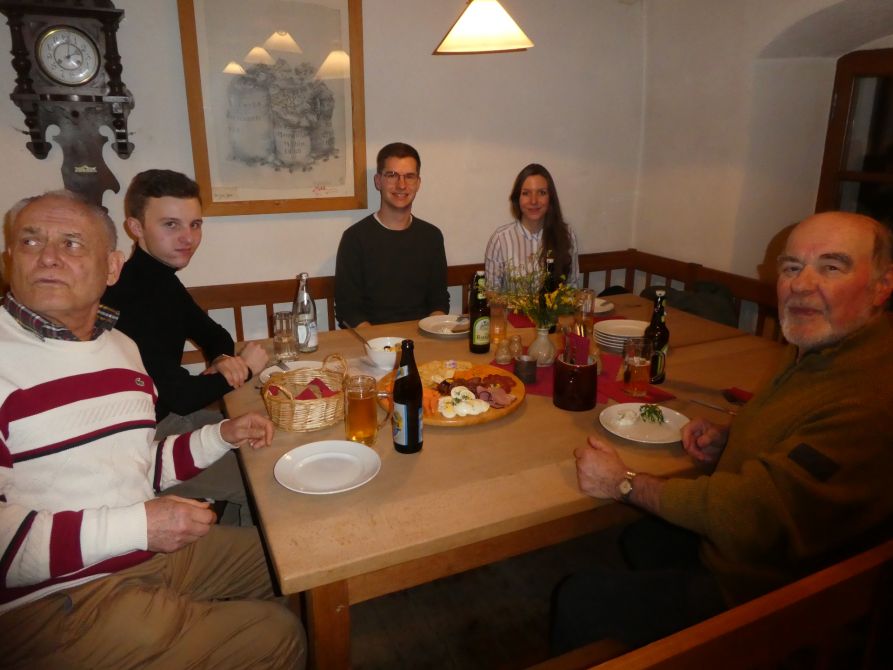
point(406, 420)
point(660, 335)
point(478, 315)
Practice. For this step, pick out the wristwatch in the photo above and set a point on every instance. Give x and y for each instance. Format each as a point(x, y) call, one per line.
point(626, 485)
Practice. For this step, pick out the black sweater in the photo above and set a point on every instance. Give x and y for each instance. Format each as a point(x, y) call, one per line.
point(384, 275)
point(158, 313)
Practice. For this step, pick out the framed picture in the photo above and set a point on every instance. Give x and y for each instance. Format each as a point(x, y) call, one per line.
point(275, 96)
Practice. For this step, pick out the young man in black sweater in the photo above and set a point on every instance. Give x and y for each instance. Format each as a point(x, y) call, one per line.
point(164, 216)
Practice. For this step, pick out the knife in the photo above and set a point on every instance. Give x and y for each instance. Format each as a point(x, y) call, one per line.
point(712, 406)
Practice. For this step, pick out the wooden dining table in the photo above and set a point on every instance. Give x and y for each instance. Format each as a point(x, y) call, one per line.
point(474, 494)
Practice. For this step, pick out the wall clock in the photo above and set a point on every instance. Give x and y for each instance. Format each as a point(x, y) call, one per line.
point(68, 73)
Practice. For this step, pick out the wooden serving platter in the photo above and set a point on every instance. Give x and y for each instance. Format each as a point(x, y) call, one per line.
point(386, 383)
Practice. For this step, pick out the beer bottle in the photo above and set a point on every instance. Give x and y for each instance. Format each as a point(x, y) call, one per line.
point(660, 335)
point(479, 315)
point(406, 420)
point(304, 310)
point(550, 283)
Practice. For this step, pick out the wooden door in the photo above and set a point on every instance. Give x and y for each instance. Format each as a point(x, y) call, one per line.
point(857, 170)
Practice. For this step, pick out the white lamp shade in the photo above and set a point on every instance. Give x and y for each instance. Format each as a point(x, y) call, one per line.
point(335, 66)
point(281, 40)
point(233, 68)
point(484, 27)
point(259, 55)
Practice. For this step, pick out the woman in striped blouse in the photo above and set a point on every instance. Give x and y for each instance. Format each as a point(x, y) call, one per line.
point(538, 232)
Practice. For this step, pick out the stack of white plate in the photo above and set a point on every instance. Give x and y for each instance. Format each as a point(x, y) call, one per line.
point(611, 335)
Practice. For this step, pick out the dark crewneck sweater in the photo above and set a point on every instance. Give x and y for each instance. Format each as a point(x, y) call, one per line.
point(384, 275)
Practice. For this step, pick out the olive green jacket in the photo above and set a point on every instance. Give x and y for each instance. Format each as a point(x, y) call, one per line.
point(807, 474)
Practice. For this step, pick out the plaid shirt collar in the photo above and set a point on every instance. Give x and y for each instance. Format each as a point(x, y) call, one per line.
point(45, 329)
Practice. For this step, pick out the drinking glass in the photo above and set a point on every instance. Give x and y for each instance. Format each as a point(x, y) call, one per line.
point(584, 315)
point(361, 409)
point(574, 386)
point(498, 320)
point(637, 352)
point(284, 346)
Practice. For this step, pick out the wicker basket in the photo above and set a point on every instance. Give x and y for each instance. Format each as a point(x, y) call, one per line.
point(305, 415)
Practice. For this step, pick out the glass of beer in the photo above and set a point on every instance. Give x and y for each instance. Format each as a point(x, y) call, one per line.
point(498, 320)
point(361, 409)
point(584, 314)
point(637, 365)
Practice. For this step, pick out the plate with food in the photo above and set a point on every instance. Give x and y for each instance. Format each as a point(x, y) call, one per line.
point(601, 306)
point(445, 325)
point(643, 422)
point(457, 393)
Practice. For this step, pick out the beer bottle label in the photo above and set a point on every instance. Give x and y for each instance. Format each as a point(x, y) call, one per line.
point(481, 330)
point(402, 371)
point(400, 422)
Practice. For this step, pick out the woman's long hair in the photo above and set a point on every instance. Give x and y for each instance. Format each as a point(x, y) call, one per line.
point(556, 240)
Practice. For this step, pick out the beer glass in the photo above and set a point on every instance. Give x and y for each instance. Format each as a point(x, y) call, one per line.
point(361, 409)
point(637, 352)
point(584, 314)
point(284, 346)
point(498, 319)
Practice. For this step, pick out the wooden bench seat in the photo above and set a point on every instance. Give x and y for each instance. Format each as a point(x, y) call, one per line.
point(629, 268)
point(839, 617)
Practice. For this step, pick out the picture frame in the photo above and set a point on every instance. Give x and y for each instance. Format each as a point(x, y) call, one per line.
point(274, 90)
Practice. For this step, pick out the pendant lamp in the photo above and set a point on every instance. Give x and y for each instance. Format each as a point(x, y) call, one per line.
point(483, 27)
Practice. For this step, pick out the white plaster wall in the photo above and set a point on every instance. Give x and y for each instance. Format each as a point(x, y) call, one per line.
point(732, 142)
point(664, 127)
point(573, 103)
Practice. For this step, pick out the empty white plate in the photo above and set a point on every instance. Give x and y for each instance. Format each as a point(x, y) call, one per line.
point(329, 466)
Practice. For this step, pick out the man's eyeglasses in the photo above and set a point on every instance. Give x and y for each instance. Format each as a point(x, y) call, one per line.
point(391, 177)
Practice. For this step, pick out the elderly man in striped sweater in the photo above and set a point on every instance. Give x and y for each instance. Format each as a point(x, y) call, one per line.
point(98, 570)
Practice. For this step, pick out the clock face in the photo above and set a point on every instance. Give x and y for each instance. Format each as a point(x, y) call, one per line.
point(67, 56)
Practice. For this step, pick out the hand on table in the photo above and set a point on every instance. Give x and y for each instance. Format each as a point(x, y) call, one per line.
point(174, 522)
point(599, 469)
point(703, 440)
point(250, 429)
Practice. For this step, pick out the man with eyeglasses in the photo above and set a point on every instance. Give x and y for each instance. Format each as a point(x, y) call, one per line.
point(391, 266)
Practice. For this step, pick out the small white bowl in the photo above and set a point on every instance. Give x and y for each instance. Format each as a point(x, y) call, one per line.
point(386, 360)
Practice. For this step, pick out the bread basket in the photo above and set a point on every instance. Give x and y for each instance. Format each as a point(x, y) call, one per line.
point(282, 388)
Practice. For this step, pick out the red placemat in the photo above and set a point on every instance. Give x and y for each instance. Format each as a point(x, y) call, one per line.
point(609, 387)
point(519, 320)
point(545, 378)
point(522, 321)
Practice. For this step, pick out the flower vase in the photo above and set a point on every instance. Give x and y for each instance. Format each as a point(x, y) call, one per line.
point(542, 349)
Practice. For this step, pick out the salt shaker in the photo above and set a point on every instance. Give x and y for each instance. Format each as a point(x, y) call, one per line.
point(503, 353)
point(515, 346)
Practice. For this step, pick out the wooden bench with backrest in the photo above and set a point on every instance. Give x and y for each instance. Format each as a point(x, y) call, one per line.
point(839, 617)
point(632, 269)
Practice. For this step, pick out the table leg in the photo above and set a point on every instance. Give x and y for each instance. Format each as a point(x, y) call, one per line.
point(328, 626)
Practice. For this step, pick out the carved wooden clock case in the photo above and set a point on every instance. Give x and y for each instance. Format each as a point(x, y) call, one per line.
point(68, 73)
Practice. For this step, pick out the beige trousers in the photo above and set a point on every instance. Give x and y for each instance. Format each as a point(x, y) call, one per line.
point(204, 606)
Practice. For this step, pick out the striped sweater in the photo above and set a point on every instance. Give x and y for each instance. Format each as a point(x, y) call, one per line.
point(78, 461)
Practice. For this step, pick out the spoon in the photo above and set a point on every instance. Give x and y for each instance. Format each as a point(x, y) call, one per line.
point(357, 335)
